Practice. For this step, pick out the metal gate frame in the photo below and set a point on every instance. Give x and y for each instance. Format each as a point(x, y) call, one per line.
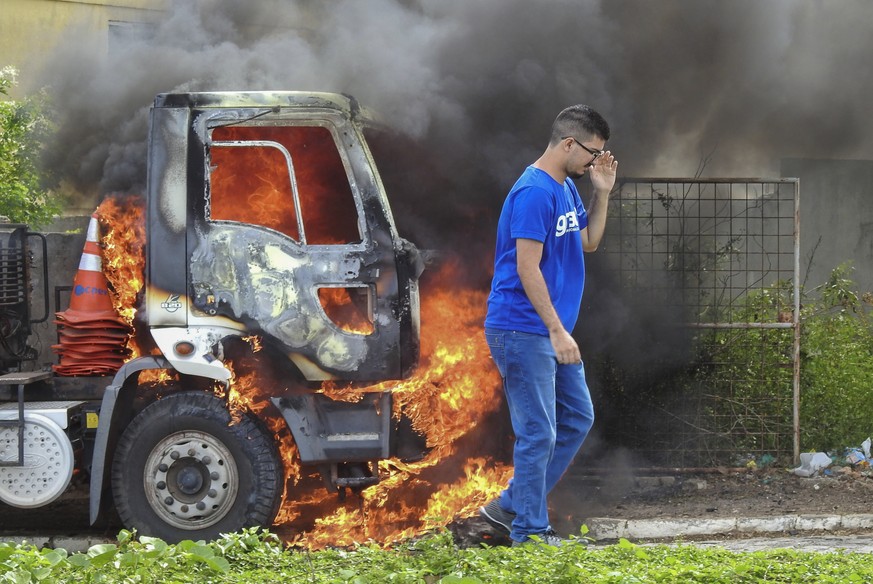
point(689, 226)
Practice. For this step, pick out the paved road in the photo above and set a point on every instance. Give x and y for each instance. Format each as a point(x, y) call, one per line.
point(812, 533)
point(820, 543)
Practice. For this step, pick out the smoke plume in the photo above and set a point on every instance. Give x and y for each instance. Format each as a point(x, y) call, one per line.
point(738, 85)
point(690, 86)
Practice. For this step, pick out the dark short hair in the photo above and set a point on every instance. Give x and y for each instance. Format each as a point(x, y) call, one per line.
point(578, 121)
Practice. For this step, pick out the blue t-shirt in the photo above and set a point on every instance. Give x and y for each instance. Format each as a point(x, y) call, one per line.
point(540, 208)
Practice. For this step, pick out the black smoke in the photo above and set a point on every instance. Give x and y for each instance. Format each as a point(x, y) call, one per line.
point(739, 84)
point(749, 81)
point(689, 86)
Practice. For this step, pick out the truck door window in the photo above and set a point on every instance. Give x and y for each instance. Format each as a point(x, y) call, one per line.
point(350, 309)
point(254, 171)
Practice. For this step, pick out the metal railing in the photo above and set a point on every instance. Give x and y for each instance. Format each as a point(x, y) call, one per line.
point(717, 260)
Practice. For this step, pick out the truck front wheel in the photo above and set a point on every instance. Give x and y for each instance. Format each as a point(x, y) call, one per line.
point(185, 469)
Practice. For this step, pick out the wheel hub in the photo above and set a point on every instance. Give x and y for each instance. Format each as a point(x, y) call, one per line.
point(191, 480)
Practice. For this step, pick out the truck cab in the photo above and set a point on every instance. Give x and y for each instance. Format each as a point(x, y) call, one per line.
point(287, 233)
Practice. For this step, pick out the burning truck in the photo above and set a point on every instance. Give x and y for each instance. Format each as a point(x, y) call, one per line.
point(267, 237)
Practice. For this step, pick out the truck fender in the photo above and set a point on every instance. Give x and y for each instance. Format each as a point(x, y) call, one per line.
point(115, 407)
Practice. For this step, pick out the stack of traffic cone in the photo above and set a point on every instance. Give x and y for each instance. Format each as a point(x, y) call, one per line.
point(92, 335)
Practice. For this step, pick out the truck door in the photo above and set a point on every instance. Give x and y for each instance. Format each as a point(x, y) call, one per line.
point(294, 245)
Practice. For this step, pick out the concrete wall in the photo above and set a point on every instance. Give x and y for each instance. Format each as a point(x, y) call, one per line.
point(30, 29)
point(65, 243)
point(836, 217)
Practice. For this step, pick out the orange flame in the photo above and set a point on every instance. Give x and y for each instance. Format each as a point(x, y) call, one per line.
point(452, 391)
point(260, 175)
point(122, 249)
point(243, 395)
point(122, 222)
point(340, 307)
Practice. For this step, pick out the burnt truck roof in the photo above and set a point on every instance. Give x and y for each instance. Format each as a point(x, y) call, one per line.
point(248, 99)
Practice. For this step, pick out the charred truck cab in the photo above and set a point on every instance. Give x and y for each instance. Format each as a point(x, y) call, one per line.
point(265, 217)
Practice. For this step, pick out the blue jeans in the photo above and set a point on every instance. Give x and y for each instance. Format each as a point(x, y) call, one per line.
point(551, 412)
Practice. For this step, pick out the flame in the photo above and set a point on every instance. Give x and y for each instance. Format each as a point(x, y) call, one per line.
point(482, 482)
point(454, 388)
point(260, 174)
point(340, 307)
point(122, 247)
point(244, 394)
point(450, 394)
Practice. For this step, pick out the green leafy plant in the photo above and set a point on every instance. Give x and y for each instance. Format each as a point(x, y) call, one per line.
point(24, 126)
point(254, 557)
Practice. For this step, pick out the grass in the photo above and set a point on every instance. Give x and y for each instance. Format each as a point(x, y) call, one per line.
point(255, 557)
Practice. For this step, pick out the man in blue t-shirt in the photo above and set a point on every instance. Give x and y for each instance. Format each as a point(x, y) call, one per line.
point(539, 273)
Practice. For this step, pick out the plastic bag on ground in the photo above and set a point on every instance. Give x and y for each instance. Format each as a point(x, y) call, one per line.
point(811, 463)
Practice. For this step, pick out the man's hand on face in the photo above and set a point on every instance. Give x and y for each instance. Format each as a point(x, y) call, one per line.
point(603, 172)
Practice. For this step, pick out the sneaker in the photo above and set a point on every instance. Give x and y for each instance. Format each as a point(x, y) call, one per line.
point(497, 517)
point(545, 538)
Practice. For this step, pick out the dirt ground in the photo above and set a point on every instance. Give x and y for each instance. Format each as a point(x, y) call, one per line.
point(719, 493)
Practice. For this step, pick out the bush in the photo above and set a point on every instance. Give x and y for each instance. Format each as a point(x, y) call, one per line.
point(732, 402)
point(24, 126)
point(836, 367)
point(836, 362)
point(433, 559)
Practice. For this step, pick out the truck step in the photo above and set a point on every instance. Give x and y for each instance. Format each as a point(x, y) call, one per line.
point(356, 482)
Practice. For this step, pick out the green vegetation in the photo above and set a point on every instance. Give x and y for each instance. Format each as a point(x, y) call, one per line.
point(704, 257)
point(733, 401)
point(24, 125)
point(836, 365)
point(753, 379)
point(253, 557)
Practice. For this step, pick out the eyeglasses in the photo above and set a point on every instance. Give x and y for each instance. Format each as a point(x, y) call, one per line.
point(595, 153)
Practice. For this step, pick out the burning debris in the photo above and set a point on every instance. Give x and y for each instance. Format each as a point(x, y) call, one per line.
point(447, 101)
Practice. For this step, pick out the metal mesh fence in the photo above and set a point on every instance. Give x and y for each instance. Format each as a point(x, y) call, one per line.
point(718, 259)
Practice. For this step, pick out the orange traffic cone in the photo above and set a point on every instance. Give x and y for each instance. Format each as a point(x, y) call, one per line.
point(90, 332)
point(90, 300)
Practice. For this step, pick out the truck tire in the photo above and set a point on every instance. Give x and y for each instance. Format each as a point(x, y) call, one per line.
point(185, 469)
